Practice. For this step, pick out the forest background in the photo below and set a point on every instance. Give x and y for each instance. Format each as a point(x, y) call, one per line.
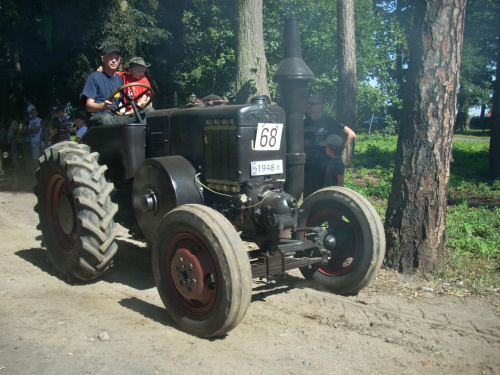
point(48, 48)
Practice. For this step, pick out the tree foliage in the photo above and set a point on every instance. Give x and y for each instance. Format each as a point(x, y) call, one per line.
point(48, 47)
point(478, 59)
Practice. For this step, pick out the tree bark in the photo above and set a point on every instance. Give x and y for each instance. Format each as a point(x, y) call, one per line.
point(251, 70)
point(416, 213)
point(346, 98)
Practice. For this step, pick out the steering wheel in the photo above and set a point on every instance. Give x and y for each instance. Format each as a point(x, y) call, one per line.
point(125, 98)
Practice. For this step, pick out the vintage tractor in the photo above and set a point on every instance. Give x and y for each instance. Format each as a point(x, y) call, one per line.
point(200, 182)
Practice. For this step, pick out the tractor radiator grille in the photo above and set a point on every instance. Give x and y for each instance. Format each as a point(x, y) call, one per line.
point(220, 153)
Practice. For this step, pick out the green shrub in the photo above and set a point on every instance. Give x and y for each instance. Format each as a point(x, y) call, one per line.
point(470, 159)
point(473, 231)
point(472, 248)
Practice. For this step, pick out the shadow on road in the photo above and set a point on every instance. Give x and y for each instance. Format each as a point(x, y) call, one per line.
point(131, 266)
point(281, 284)
point(148, 310)
point(37, 257)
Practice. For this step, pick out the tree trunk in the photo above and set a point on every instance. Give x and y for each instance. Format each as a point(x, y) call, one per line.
point(494, 156)
point(462, 121)
point(481, 116)
point(346, 98)
point(251, 72)
point(416, 213)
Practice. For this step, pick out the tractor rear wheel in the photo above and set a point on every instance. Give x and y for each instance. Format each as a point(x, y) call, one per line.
point(359, 235)
point(202, 270)
point(75, 211)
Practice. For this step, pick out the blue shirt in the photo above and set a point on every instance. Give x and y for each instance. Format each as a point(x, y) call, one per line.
point(100, 86)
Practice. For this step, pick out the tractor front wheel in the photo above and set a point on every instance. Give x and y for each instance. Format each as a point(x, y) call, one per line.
point(202, 270)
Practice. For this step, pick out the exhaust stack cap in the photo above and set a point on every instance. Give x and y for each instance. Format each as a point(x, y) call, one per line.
point(292, 67)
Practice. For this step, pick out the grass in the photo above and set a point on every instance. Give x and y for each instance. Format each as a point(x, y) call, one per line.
point(472, 248)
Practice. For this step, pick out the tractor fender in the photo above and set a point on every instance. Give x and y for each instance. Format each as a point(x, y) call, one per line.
point(160, 185)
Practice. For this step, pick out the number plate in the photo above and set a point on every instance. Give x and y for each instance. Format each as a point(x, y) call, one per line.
point(268, 137)
point(259, 168)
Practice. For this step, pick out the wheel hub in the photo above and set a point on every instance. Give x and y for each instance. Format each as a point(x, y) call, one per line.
point(344, 236)
point(149, 201)
point(65, 214)
point(61, 214)
point(187, 274)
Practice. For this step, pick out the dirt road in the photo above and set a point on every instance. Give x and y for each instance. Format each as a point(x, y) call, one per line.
point(117, 324)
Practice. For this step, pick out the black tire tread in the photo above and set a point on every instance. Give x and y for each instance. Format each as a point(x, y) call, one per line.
point(94, 209)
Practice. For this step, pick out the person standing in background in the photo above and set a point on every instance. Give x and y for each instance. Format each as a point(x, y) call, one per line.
point(317, 127)
point(334, 175)
point(15, 139)
point(64, 125)
point(82, 128)
point(26, 136)
point(35, 130)
point(29, 106)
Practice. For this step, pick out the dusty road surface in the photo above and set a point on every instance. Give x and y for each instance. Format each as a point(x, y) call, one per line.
point(118, 325)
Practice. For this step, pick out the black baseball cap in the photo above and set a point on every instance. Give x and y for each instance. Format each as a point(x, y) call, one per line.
point(110, 49)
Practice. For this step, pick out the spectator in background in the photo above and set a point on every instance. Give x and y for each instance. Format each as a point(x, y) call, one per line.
point(26, 135)
point(14, 136)
point(82, 128)
point(46, 135)
point(35, 130)
point(54, 125)
point(334, 175)
point(317, 127)
point(30, 107)
point(64, 125)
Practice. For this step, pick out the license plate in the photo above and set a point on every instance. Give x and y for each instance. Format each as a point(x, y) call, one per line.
point(259, 168)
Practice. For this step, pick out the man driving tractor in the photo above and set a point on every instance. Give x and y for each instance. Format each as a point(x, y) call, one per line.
point(101, 96)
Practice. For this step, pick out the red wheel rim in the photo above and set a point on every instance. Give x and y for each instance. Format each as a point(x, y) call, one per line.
point(191, 273)
point(61, 214)
point(346, 232)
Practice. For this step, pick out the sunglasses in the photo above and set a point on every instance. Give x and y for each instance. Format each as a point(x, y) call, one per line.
point(312, 103)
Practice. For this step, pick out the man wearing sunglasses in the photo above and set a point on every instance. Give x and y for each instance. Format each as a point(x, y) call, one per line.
point(317, 127)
